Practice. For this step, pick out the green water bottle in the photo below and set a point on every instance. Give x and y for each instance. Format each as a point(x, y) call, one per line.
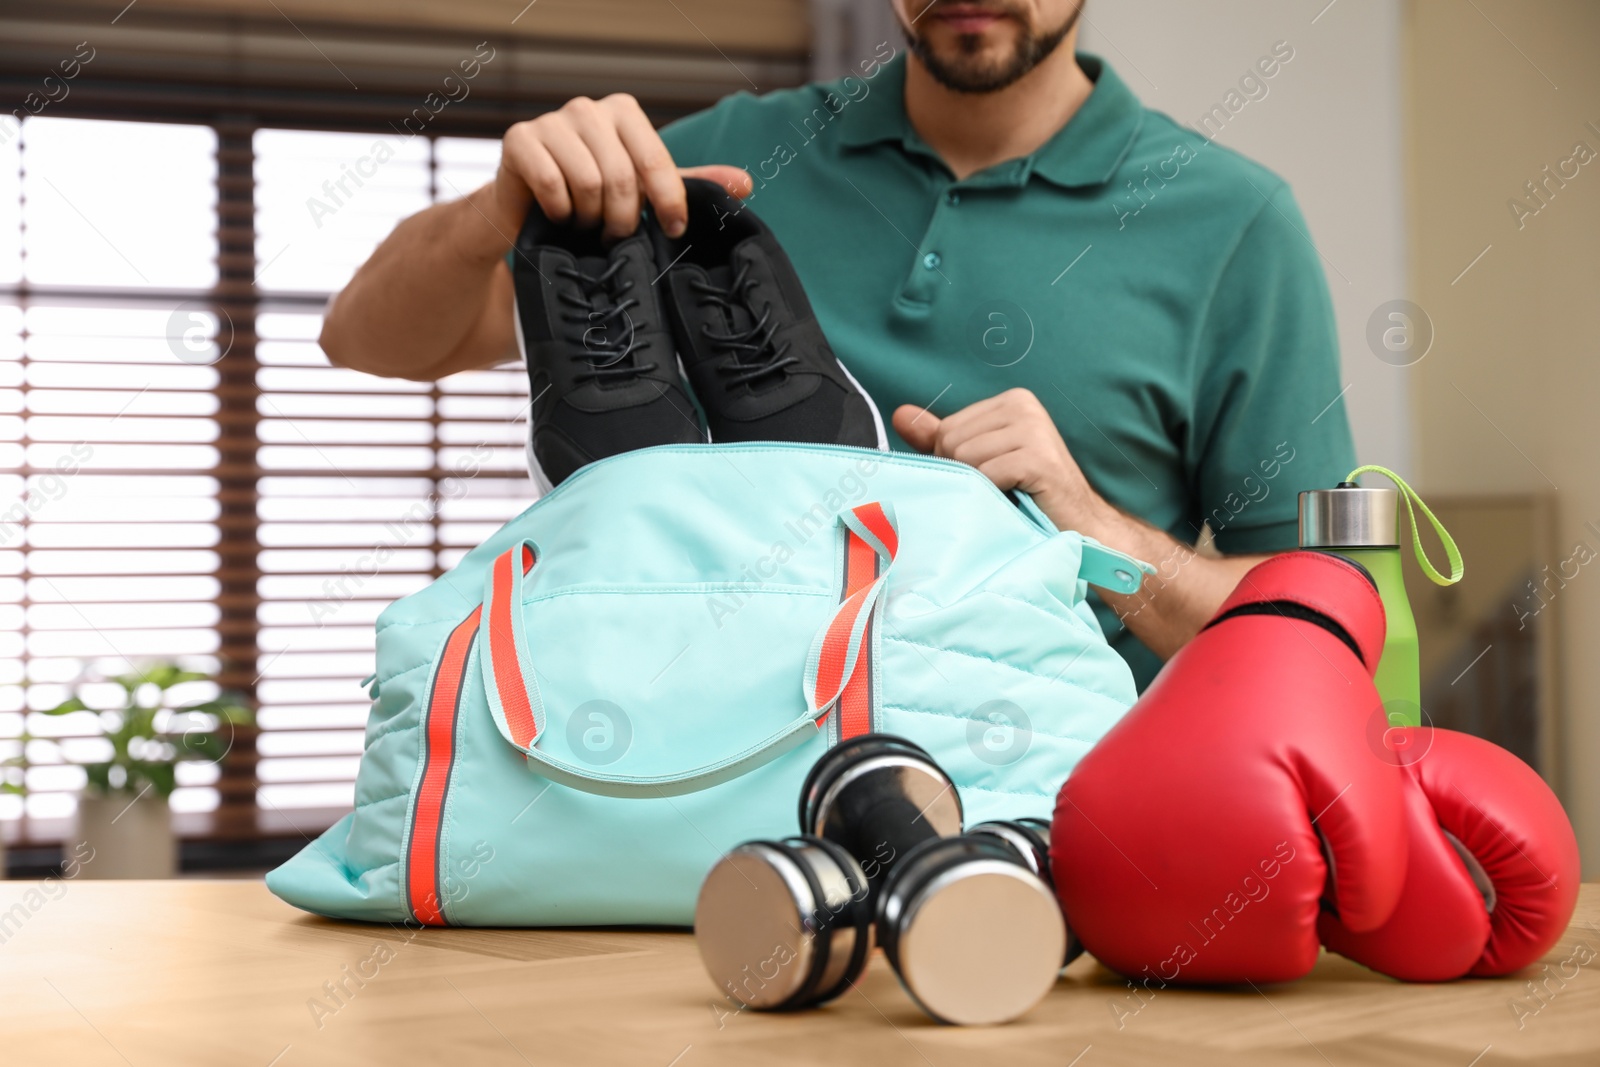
point(1364, 525)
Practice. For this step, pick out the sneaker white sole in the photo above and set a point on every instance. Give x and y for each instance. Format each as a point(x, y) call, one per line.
point(877, 417)
point(541, 480)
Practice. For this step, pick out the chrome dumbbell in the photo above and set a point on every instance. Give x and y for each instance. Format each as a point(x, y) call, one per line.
point(1030, 839)
point(784, 924)
point(969, 923)
point(878, 797)
point(974, 934)
point(788, 924)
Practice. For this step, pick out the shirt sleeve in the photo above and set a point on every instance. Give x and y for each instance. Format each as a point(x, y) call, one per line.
point(1269, 419)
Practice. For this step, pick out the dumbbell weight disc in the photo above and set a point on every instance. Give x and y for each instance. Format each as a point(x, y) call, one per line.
point(1030, 839)
point(784, 924)
point(975, 936)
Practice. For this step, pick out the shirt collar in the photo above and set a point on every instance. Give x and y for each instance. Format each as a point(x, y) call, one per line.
point(1084, 152)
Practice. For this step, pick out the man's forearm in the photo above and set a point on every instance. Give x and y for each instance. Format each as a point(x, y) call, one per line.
point(1186, 590)
point(418, 307)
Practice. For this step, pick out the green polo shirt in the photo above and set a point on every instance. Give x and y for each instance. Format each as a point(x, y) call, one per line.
point(1159, 293)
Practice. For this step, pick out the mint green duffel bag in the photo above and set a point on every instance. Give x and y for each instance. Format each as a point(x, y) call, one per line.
point(635, 674)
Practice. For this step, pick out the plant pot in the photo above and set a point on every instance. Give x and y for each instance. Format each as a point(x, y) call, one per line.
point(129, 838)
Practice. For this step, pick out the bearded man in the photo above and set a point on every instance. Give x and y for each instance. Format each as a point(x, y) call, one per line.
point(1037, 276)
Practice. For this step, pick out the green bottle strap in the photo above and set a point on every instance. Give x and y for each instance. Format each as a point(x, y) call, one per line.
point(1409, 495)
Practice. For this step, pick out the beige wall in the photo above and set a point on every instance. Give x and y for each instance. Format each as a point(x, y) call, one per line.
point(1509, 397)
point(1330, 125)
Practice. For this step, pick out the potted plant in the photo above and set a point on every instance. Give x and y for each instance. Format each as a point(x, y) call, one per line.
point(123, 814)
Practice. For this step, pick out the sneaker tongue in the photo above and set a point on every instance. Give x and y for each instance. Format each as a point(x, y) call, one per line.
point(593, 266)
point(598, 296)
point(602, 335)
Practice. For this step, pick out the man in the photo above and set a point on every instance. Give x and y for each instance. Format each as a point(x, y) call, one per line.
point(1039, 277)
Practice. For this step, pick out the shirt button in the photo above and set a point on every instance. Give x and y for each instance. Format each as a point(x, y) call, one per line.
point(955, 198)
point(932, 260)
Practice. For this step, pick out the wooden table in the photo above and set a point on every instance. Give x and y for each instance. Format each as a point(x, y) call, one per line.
point(222, 973)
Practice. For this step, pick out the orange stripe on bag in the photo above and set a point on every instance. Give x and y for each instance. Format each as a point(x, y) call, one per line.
point(873, 518)
point(861, 569)
point(836, 645)
point(508, 679)
point(422, 876)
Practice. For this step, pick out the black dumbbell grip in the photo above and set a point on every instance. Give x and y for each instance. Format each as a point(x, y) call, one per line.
point(879, 826)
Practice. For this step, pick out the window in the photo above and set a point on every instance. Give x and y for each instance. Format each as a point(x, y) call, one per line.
point(182, 473)
point(108, 441)
point(351, 509)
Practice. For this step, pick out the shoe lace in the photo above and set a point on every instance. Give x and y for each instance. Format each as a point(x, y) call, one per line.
point(755, 356)
point(608, 360)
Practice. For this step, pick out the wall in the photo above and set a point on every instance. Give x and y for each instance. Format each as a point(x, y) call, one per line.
point(1329, 124)
point(1507, 399)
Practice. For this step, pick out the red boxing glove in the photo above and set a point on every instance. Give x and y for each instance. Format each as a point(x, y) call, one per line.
point(1187, 845)
point(1492, 877)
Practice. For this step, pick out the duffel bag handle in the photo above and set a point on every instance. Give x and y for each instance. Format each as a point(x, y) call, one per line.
point(503, 653)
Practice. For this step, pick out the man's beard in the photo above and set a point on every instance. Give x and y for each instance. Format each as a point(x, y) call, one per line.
point(968, 77)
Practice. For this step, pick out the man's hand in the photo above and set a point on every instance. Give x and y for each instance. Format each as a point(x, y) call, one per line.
point(591, 161)
point(436, 297)
point(1012, 440)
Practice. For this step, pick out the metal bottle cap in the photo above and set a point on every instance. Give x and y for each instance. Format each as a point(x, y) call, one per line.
point(785, 924)
point(975, 937)
point(1349, 517)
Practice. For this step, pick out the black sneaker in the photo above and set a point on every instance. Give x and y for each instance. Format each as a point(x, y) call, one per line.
point(748, 339)
point(601, 368)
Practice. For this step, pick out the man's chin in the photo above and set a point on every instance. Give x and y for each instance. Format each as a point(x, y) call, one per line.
point(971, 72)
point(976, 62)
point(989, 61)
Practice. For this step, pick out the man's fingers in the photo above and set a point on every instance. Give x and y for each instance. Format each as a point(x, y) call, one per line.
point(977, 451)
point(579, 169)
point(917, 426)
point(530, 161)
point(658, 176)
point(738, 182)
point(594, 162)
point(619, 178)
point(983, 417)
point(1007, 471)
